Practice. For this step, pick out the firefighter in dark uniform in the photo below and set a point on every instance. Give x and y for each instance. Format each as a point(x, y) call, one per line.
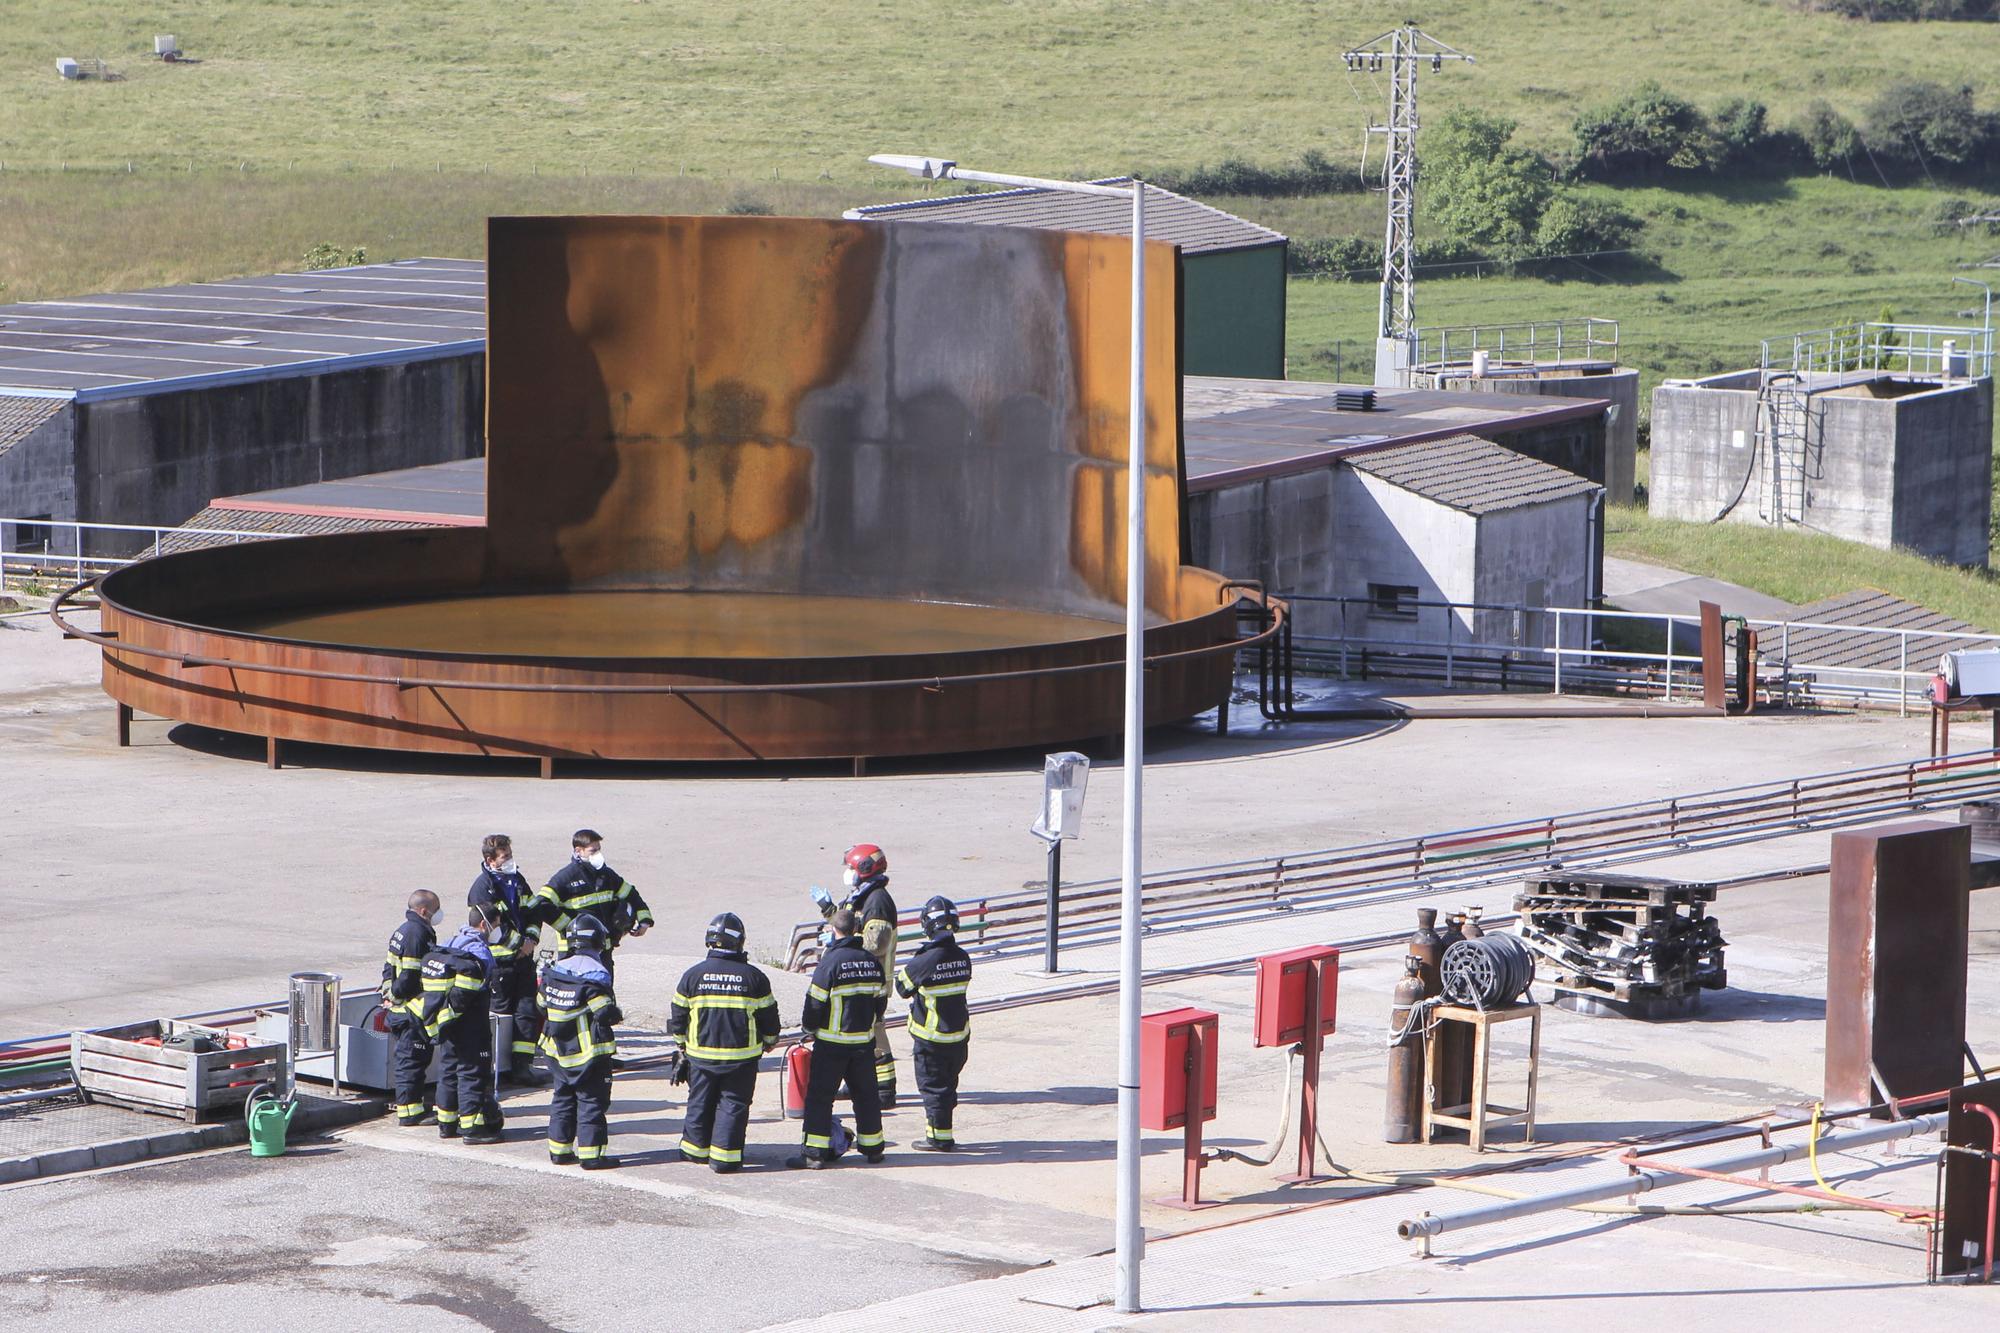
point(501, 893)
point(402, 1001)
point(578, 1014)
point(843, 1004)
point(935, 982)
point(866, 874)
point(724, 1018)
point(586, 884)
point(457, 981)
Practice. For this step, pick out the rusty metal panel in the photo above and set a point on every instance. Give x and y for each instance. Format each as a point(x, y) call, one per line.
point(915, 409)
point(1896, 960)
point(1968, 1182)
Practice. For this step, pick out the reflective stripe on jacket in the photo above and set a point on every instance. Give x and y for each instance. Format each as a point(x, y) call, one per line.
point(605, 894)
point(578, 1012)
point(847, 994)
point(454, 984)
point(935, 982)
point(723, 1010)
point(402, 969)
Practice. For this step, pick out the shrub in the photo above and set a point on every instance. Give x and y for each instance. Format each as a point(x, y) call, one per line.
point(1481, 193)
point(1928, 124)
point(328, 255)
point(1645, 133)
point(1905, 11)
point(1571, 226)
point(1828, 136)
point(1348, 258)
point(1313, 174)
point(748, 208)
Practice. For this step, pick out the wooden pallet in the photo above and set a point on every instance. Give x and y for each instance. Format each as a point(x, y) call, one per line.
point(113, 1065)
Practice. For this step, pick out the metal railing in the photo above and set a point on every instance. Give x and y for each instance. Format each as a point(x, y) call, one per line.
point(39, 558)
point(1568, 649)
point(1880, 347)
point(1370, 874)
point(1540, 343)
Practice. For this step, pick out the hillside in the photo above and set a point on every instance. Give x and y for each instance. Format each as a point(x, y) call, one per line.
point(735, 90)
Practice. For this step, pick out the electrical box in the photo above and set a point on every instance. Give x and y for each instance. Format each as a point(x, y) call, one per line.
point(1281, 994)
point(1165, 1076)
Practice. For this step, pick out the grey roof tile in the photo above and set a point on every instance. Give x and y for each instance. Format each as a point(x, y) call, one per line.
point(1470, 474)
point(1196, 227)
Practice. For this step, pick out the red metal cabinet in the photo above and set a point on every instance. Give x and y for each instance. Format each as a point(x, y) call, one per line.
point(1164, 1073)
point(1281, 993)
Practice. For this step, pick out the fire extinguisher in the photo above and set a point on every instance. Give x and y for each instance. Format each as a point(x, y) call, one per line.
point(798, 1072)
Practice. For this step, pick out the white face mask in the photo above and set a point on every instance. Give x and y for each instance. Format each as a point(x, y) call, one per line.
point(849, 878)
point(596, 860)
point(510, 867)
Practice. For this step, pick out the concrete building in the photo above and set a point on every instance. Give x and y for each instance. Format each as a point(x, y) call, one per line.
point(1558, 359)
point(1884, 458)
point(139, 407)
point(1232, 271)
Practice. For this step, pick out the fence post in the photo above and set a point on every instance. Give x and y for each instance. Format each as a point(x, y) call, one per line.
point(1669, 696)
point(1559, 650)
point(1450, 628)
point(1343, 638)
point(1903, 674)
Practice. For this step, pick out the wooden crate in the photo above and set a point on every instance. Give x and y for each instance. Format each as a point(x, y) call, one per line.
point(113, 1065)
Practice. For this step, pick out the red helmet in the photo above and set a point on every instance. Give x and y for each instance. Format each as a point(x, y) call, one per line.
point(866, 860)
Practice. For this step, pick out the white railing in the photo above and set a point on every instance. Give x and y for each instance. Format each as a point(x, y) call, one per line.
point(1930, 351)
point(1565, 646)
point(1541, 343)
point(39, 559)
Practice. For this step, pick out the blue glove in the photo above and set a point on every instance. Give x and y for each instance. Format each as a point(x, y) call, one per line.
point(822, 899)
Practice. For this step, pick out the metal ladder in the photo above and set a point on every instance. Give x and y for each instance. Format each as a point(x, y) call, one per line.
point(1784, 429)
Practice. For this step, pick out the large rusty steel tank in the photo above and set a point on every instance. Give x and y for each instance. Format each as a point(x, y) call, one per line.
point(757, 488)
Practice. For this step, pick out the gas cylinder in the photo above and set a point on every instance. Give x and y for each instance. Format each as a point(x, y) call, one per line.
point(1403, 1119)
point(798, 1072)
point(1452, 1064)
point(1427, 948)
point(1473, 930)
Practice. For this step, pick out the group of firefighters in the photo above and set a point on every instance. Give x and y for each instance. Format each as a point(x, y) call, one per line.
point(438, 995)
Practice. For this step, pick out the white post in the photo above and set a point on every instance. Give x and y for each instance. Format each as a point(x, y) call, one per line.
point(1903, 674)
point(1131, 1235)
point(1559, 650)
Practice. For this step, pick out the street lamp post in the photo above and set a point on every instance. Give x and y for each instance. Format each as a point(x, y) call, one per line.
point(1131, 1237)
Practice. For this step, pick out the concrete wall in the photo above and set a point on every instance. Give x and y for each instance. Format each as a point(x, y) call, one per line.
point(1280, 531)
point(1620, 387)
point(1540, 555)
point(38, 476)
point(1889, 464)
point(1944, 478)
point(1574, 446)
point(159, 458)
point(1233, 304)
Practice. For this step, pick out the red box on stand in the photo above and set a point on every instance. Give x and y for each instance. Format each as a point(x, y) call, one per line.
point(1163, 1067)
point(1281, 994)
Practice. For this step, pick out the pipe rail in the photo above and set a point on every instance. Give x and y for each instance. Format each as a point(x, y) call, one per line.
point(1013, 923)
point(1641, 1181)
point(933, 684)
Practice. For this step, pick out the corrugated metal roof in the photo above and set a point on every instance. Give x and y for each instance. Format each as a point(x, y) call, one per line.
point(1195, 227)
point(277, 323)
point(1471, 474)
point(1881, 652)
point(21, 417)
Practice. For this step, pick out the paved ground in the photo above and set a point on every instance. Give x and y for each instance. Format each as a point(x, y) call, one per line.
point(211, 878)
point(1633, 585)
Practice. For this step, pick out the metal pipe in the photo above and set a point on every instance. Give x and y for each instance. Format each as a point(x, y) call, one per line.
point(1992, 1184)
point(1131, 1235)
point(1640, 1181)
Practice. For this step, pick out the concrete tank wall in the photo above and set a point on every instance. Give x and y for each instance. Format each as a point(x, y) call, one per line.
point(158, 458)
point(1537, 555)
point(1619, 387)
point(1889, 464)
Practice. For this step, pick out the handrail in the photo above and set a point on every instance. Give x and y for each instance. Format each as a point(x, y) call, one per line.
point(932, 683)
point(1394, 869)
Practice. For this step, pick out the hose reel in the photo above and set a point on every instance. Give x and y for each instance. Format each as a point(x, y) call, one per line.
point(1489, 972)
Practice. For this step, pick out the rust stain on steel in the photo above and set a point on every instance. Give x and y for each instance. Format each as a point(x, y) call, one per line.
point(922, 412)
point(1896, 959)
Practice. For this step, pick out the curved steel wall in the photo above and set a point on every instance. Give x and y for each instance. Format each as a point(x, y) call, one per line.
point(918, 411)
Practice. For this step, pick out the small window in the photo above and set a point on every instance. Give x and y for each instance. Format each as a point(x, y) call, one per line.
point(32, 538)
point(1392, 601)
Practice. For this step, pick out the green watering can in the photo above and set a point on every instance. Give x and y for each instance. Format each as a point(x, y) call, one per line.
point(268, 1119)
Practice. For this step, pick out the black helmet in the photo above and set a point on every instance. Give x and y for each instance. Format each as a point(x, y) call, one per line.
point(939, 917)
point(724, 932)
point(586, 934)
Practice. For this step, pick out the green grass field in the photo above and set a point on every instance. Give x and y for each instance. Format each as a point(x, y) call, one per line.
point(735, 89)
